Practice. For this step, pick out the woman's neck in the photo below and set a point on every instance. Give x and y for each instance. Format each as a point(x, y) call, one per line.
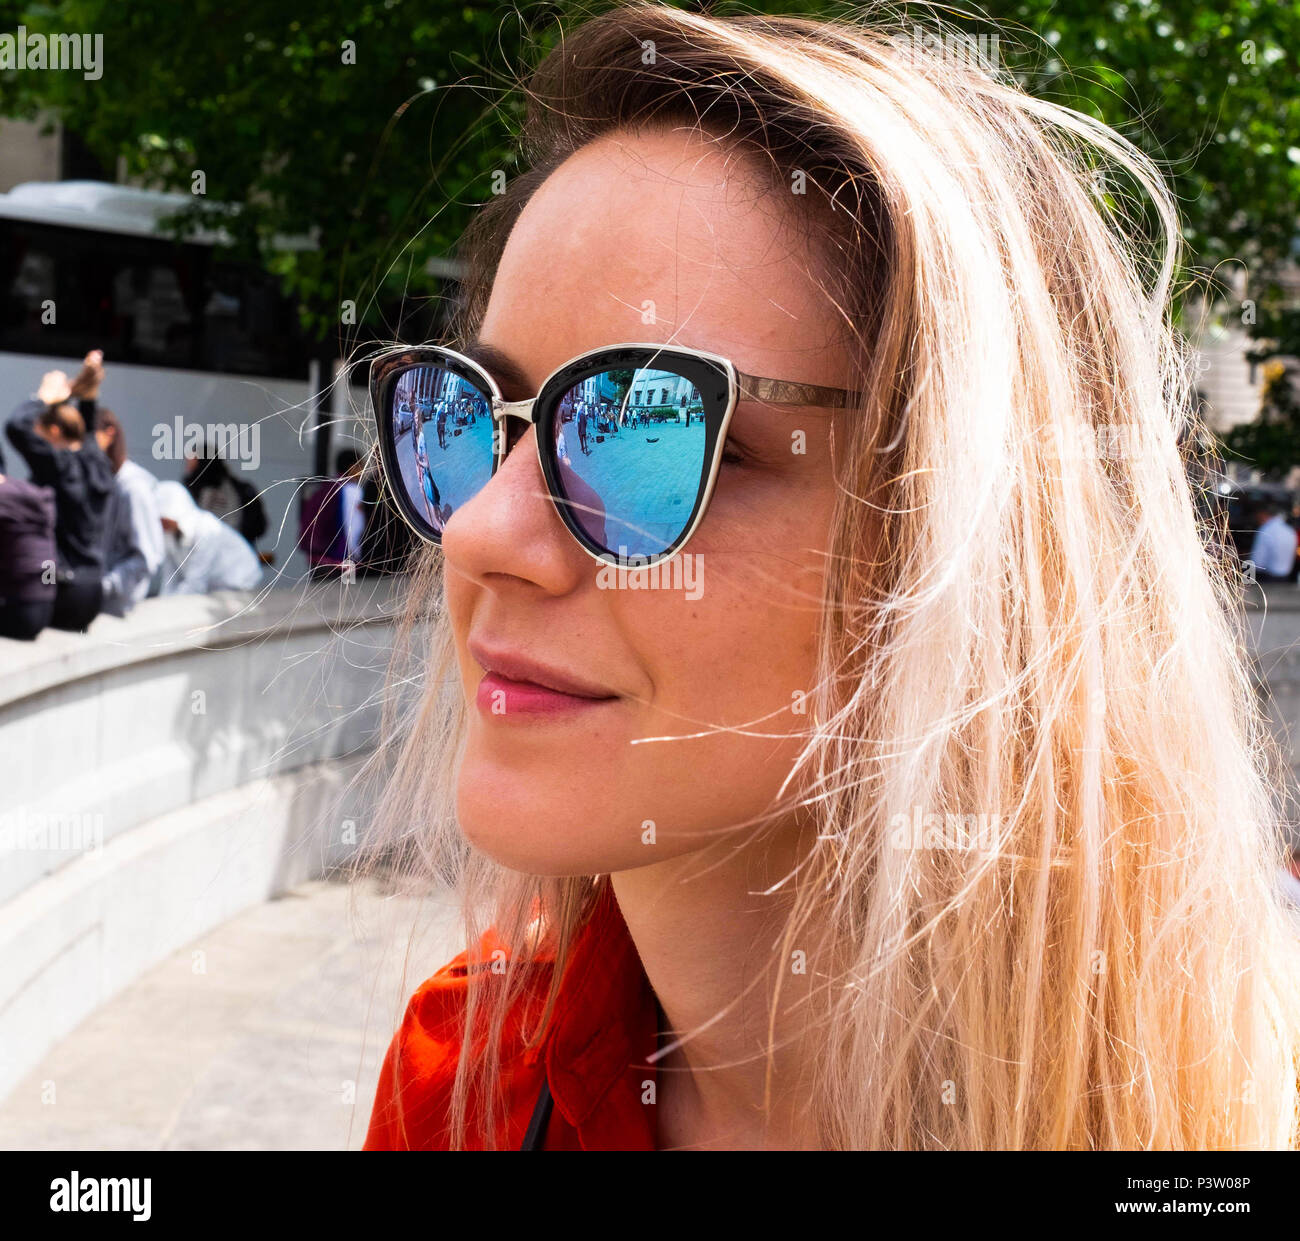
point(712, 947)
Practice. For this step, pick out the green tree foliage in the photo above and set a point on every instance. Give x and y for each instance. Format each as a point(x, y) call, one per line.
point(371, 128)
point(376, 127)
point(1269, 443)
point(1209, 90)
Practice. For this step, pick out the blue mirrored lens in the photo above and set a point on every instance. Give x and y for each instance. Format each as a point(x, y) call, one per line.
point(442, 436)
point(630, 448)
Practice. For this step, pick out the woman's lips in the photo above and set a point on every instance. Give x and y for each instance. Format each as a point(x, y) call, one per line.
point(499, 695)
point(515, 683)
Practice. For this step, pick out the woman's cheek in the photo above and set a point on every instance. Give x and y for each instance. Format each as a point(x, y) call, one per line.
point(739, 652)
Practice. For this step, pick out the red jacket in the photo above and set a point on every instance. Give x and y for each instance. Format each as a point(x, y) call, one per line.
point(594, 1055)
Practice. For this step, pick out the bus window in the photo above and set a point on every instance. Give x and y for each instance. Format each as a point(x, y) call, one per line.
point(143, 300)
point(158, 328)
point(249, 328)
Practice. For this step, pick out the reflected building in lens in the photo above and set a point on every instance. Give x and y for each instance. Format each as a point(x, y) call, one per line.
point(427, 389)
point(660, 396)
point(664, 394)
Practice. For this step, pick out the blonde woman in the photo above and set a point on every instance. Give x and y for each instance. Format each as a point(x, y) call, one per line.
point(873, 762)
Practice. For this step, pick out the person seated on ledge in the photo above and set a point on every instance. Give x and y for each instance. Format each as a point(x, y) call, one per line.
point(50, 434)
point(203, 553)
point(27, 557)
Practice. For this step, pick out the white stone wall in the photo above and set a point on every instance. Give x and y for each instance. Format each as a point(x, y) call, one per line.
point(199, 756)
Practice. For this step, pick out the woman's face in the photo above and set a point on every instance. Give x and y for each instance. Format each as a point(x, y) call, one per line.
point(658, 238)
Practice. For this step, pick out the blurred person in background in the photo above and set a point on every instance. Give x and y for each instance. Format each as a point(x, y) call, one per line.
point(216, 489)
point(133, 548)
point(126, 565)
point(352, 516)
point(50, 434)
point(1273, 550)
point(1293, 520)
point(332, 517)
point(202, 553)
point(28, 557)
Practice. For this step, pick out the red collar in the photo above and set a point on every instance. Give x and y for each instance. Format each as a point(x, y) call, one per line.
point(604, 1027)
point(594, 1057)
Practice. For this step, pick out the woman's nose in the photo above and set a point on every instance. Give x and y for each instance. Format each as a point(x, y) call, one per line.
point(510, 529)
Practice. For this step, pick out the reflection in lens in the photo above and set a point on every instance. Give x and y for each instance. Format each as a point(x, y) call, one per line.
point(442, 433)
point(630, 447)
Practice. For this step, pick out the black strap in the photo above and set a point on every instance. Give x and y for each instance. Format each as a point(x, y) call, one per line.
point(541, 1116)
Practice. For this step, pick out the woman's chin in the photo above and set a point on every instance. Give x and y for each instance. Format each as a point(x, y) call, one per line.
point(539, 826)
point(565, 823)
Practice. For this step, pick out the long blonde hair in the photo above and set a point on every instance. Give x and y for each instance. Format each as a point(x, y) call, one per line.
point(1025, 628)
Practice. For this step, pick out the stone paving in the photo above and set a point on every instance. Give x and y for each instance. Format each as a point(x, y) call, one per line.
point(265, 1034)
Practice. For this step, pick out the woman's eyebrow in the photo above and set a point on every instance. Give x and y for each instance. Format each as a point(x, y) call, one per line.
point(499, 364)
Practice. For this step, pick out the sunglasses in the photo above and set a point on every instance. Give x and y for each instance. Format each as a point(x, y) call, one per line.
point(629, 438)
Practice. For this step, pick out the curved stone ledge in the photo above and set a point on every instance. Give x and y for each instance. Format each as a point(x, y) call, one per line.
point(162, 627)
point(183, 700)
point(165, 771)
point(76, 938)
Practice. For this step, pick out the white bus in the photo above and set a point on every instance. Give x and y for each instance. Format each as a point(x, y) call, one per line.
point(189, 338)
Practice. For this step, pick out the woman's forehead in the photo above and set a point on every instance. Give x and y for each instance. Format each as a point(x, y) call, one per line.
point(659, 237)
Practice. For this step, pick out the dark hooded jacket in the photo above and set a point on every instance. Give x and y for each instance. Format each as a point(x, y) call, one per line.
point(26, 542)
point(82, 481)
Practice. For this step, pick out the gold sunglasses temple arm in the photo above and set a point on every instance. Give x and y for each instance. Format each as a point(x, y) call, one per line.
point(787, 392)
